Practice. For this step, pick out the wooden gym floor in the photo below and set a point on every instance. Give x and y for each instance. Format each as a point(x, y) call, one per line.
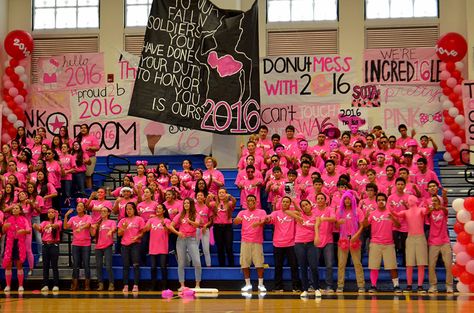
point(117, 302)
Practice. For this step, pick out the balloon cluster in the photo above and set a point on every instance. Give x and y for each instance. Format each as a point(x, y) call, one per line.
point(19, 46)
point(451, 49)
point(463, 269)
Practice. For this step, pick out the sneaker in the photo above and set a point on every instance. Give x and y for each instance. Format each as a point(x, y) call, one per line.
point(329, 290)
point(397, 289)
point(408, 289)
point(135, 288)
point(40, 259)
point(311, 289)
point(449, 289)
point(304, 294)
point(7, 289)
point(180, 289)
point(261, 288)
point(433, 289)
point(279, 290)
point(339, 290)
point(55, 289)
point(317, 293)
point(125, 288)
point(296, 290)
point(45, 289)
point(421, 290)
point(372, 289)
point(246, 288)
point(30, 272)
point(21, 289)
point(361, 290)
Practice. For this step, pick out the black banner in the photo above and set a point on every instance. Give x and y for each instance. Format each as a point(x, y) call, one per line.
point(199, 68)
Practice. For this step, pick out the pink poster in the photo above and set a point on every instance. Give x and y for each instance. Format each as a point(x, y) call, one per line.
point(71, 71)
point(468, 100)
point(401, 66)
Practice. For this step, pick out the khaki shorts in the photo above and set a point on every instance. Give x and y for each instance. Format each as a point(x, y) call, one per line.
point(416, 250)
point(378, 252)
point(251, 252)
point(90, 168)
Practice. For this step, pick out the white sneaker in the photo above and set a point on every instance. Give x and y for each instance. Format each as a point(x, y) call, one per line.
point(40, 259)
point(45, 289)
point(449, 289)
point(30, 272)
point(246, 288)
point(317, 293)
point(261, 288)
point(433, 289)
point(304, 294)
point(55, 288)
point(21, 289)
point(7, 289)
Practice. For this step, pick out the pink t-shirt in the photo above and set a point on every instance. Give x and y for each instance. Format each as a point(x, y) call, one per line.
point(250, 188)
point(348, 217)
point(134, 227)
point(89, 141)
point(54, 173)
point(415, 218)
point(82, 168)
point(184, 226)
point(121, 206)
point(48, 203)
point(428, 153)
point(250, 233)
point(305, 231)
point(368, 204)
point(68, 162)
point(394, 204)
point(216, 176)
point(204, 212)
point(284, 231)
point(330, 182)
point(35, 152)
point(105, 240)
point(158, 235)
point(325, 228)
point(221, 215)
point(438, 228)
point(276, 189)
point(139, 179)
point(82, 238)
point(381, 227)
point(46, 233)
point(422, 180)
point(146, 209)
point(177, 206)
point(96, 206)
point(259, 163)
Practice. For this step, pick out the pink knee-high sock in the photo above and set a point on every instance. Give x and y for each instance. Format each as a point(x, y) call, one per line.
point(8, 277)
point(374, 276)
point(409, 275)
point(20, 277)
point(421, 274)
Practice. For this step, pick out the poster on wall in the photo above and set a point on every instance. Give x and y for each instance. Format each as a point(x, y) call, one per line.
point(199, 68)
point(71, 71)
point(468, 101)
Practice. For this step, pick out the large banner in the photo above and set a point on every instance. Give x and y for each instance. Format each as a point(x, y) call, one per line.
point(468, 100)
point(199, 68)
point(71, 71)
point(402, 66)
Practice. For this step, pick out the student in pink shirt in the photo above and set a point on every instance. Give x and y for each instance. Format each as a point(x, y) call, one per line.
point(330, 177)
point(259, 161)
point(140, 177)
point(396, 203)
point(81, 244)
point(410, 188)
point(103, 231)
point(212, 176)
point(69, 166)
point(275, 187)
point(81, 159)
point(402, 141)
point(382, 246)
point(423, 176)
point(428, 152)
point(131, 230)
point(203, 233)
point(54, 170)
point(416, 246)
point(51, 237)
point(349, 222)
point(90, 145)
point(289, 142)
point(28, 208)
point(250, 186)
point(284, 243)
point(47, 191)
point(251, 248)
point(439, 243)
point(263, 142)
point(303, 181)
point(95, 204)
point(222, 206)
point(158, 228)
point(15, 228)
point(187, 222)
point(386, 184)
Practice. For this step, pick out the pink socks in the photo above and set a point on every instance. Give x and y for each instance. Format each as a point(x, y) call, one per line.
point(421, 274)
point(374, 276)
point(8, 277)
point(409, 275)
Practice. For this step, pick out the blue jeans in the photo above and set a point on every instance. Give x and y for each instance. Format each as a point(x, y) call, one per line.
point(66, 187)
point(131, 252)
point(81, 255)
point(189, 245)
point(307, 256)
point(79, 182)
point(37, 234)
point(328, 253)
point(99, 259)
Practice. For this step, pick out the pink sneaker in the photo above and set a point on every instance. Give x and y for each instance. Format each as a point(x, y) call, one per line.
point(135, 288)
point(125, 288)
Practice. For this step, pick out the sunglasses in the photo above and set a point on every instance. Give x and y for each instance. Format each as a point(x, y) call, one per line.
point(49, 153)
point(357, 146)
point(250, 171)
point(392, 141)
point(274, 161)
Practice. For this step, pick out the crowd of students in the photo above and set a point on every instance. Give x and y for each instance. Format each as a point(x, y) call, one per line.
point(351, 194)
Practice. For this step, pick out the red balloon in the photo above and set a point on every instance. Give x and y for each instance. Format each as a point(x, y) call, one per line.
point(18, 44)
point(11, 130)
point(454, 127)
point(443, 84)
point(464, 238)
point(9, 71)
point(14, 77)
point(458, 104)
point(457, 270)
point(456, 74)
point(17, 110)
point(23, 92)
point(466, 278)
point(449, 120)
point(451, 47)
point(460, 133)
point(453, 97)
point(469, 203)
point(455, 155)
point(14, 63)
point(471, 287)
point(470, 249)
point(19, 85)
point(458, 227)
point(11, 104)
point(447, 91)
point(450, 66)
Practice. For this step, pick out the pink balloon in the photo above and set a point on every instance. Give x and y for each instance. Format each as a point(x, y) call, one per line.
point(457, 89)
point(444, 127)
point(13, 92)
point(442, 66)
point(470, 267)
point(6, 138)
point(448, 135)
point(451, 82)
point(456, 141)
point(462, 258)
point(464, 147)
point(19, 99)
point(8, 84)
point(444, 75)
point(458, 248)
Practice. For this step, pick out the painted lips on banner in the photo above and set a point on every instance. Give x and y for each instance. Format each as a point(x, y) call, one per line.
point(199, 68)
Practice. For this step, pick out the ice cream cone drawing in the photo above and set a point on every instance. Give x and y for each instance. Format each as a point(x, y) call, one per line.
point(153, 132)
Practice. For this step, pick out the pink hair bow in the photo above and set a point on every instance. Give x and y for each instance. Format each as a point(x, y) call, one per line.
point(151, 170)
point(425, 118)
point(82, 200)
point(143, 162)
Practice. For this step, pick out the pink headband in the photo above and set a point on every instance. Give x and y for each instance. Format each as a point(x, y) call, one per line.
point(143, 162)
point(82, 200)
